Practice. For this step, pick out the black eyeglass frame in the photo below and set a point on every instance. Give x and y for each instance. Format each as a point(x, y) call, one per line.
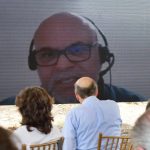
point(63, 52)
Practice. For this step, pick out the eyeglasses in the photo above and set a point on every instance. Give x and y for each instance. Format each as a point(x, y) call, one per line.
point(75, 53)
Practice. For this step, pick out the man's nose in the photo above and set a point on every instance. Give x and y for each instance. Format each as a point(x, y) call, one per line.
point(64, 62)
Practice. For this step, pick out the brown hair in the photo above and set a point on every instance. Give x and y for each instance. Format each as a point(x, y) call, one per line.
point(35, 105)
point(5, 140)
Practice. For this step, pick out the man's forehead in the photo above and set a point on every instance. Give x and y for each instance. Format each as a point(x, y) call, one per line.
point(60, 42)
point(63, 28)
point(63, 34)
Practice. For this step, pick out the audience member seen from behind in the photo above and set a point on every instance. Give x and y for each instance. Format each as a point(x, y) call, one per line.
point(6, 142)
point(84, 123)
point(64, 48)
point(140, 133)
point(35, 106)
point(148, 105)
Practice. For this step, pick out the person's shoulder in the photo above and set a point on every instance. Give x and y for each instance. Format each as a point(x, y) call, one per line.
point(109, 103)
point(56, 131)
point(120, 94)
point(8, 101)
point(76, 111)
point(20, 130)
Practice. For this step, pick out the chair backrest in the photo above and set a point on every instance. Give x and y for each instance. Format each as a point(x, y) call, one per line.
point(51, 145)
point(114, 143)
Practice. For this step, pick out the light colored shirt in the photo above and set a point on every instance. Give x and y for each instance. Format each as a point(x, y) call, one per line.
point(84, 123)
point(34, 137)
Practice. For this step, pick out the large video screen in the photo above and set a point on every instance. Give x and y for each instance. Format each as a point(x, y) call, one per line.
point(26, 36)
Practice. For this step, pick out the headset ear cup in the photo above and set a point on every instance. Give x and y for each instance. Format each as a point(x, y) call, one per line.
point(31, 58)
point(31, 61)
point(104, 54)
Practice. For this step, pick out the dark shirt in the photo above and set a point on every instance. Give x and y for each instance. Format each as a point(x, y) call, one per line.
point(119, 94)
point(114, 93)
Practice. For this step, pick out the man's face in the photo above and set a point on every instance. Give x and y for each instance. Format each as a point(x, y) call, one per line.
point(59, 79)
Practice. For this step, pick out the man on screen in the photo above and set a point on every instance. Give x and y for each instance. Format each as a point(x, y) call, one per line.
point(64, 48)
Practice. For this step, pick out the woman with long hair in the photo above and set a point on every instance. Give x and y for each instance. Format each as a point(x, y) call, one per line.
point(35, 105)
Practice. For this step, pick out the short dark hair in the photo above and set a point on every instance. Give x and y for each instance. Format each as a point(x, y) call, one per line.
point(35, 106)
point(84, 92)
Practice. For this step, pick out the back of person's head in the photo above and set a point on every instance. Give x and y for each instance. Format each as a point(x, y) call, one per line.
point(140, 133)
point(85, 87)
point(35, 105)
point(148, 105)
point(6, 142)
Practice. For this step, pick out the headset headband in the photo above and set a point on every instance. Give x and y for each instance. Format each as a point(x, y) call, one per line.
point(99, 31)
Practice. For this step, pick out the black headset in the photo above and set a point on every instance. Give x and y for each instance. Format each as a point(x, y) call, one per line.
point(104, 53)
point(31, 58)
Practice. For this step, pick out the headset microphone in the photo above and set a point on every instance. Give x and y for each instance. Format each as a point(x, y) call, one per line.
point(110, 64)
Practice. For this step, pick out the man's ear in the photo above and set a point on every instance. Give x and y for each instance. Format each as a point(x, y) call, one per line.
point(77, 97)
point(96, 94)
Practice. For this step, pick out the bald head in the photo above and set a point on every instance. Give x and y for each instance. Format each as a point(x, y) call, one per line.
point(64, 24)
point(85, 87)
point(85, 82)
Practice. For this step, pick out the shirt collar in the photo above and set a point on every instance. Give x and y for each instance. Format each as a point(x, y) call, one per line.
point(88, 99)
